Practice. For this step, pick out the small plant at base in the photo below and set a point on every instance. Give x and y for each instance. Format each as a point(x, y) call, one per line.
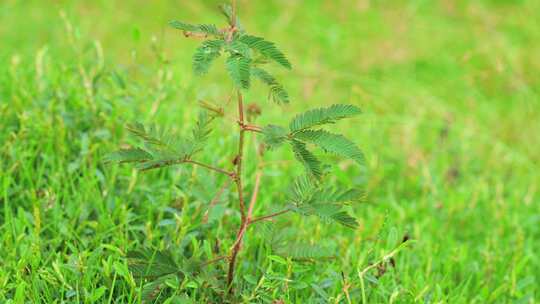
point(246, 57)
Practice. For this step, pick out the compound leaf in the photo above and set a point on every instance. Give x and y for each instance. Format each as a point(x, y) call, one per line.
point(128, 155)
point(277, 93)
point(330, 142)
point(226, 10)
point(274, 136)
point(308, 159)
point(266, 48)
point(201, 132)
point(239, 70)
point(303, 251)
point(207, 29)
point(205, 55)
point(322, 116)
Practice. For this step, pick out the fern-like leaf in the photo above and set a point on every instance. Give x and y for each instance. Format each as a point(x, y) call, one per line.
point(317, 117)
point(274, 136)
point(308, 159)
point(128, 156)
point(327, 212)
point(309, 198)
point(158, 163)
point(226, 10)
point(302, 191)
point(205, 55)
point(159, 148)
point(149, 136)
point(207, 29)
point(267, 49)
point(239, 70)
point(277, 93)
point(328, 195)
point(238, 48)
point(303, 251)
point(334, 143)
point(201, 132)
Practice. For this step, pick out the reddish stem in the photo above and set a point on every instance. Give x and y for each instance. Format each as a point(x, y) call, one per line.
point(252, 128)
point(238, 179)
point(269, 216)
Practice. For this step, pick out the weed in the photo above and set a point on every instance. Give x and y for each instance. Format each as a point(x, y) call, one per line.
point(246, 58)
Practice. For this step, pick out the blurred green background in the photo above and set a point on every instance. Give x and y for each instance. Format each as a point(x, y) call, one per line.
point(450, 92)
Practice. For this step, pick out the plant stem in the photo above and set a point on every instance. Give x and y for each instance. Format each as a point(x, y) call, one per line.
point(210, 167)
point(240, 156)
point(214, 260)
point(189, 161)
point(262, 218)
point(233, 17)
point(254, 195)
point(215, 200)
point(253, 128)
point(238, 179)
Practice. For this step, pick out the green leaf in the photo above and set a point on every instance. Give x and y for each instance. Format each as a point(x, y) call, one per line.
point(307, 197)
point(202, 129)
point(161, 148)
point(146, 263)
point(274, 136)
point(128, 155)
point(149, 136)
point(153, 289)
point(226, 10)
point(277, 93)
point(345, 219)
point(322, 116)
point(205, 55)
point(332, 196)
point(238, 48)
point(327, 212)
point(208, 29)
point(239, 70)
point(266, 48)
point(156, 164)
point(303, 251)
point(310, 162)
point(302, 190)
point(330, 142)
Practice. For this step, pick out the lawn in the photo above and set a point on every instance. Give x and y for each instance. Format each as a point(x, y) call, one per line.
point(450, 95)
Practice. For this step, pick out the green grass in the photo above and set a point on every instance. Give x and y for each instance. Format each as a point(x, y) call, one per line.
point(450, 92)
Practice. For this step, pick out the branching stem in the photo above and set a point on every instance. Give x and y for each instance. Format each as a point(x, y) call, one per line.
point(189, 161)
point(254, 195)
point(252, 128)
point(238, 179)
point(219, 258)
point(240, 156)
point(269, 216)
point(219, 170)
point(215, 200)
